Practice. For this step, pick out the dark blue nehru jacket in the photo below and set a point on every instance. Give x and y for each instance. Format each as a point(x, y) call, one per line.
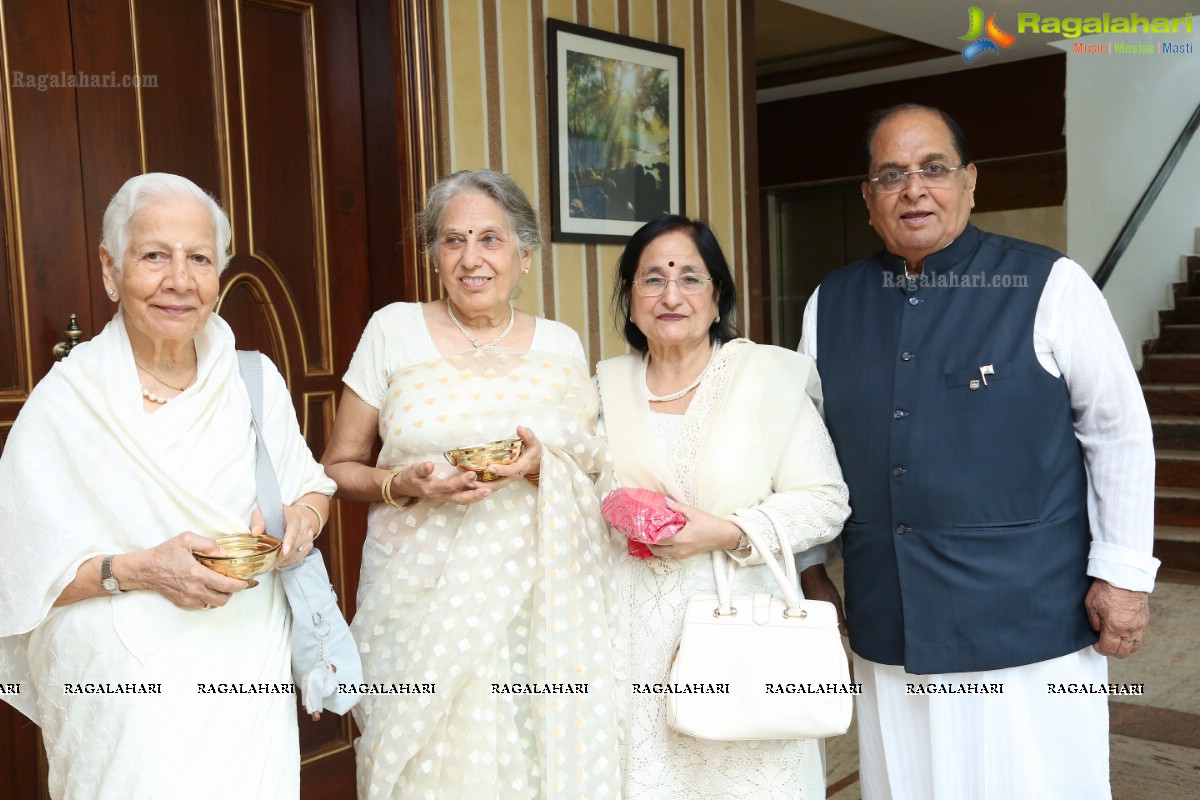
point(967, 543)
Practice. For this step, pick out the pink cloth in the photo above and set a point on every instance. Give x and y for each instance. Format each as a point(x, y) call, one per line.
point(643, 516)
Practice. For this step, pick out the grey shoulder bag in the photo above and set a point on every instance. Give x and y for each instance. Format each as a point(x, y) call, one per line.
point(321, 640)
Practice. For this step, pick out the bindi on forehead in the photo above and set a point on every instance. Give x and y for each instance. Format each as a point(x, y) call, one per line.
point(670, 263)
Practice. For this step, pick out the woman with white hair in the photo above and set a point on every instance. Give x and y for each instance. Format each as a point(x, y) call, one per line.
point(128, 457)
point(490, 603)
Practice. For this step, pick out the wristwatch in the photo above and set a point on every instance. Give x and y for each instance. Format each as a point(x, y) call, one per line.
point(107, 579)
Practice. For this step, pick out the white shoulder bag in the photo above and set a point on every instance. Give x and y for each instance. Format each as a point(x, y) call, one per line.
point(757, 666)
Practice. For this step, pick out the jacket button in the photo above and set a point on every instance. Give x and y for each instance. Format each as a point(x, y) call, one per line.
point(899, 414)
point(907, 356)
point(898, 471)
point(914, 301)
point(902, 529)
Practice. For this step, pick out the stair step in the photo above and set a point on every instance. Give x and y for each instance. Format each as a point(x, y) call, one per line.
point(1176, 533)
point(1171, 367)
point(1177, 468)
point(1178, 339)
point(1187, 310)
point(1182, 399)
point(1176, 433)
point(1177, 547)
point(1177, 506)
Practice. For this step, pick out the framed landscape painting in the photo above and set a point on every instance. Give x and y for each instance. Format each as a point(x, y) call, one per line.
point(616, 132)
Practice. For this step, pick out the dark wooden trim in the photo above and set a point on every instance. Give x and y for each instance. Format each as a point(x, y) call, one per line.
point(1032, 181)
point(902, 52)
point(386, 231)
point(1004, 184)
point(756, 284)
point(820, 137)
point(407, 172)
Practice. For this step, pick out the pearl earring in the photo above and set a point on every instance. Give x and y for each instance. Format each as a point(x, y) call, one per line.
point(112, 294)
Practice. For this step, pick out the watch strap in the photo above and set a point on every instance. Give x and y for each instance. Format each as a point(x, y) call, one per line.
point(107, 579)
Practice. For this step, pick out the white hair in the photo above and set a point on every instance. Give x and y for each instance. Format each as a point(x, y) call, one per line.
point(153, 187)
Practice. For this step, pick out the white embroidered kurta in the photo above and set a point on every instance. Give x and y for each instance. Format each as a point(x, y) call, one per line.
point(751, 437)
point(88, 472)
point(504, 608)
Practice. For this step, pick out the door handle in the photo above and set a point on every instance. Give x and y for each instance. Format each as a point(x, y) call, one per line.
point(74, 334)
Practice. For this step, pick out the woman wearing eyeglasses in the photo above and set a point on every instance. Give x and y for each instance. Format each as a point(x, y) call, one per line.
point(729, 431)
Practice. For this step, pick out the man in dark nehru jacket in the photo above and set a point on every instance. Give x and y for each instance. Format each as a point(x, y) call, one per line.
point(998, 452)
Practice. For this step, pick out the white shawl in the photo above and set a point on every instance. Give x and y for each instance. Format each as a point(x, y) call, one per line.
point(87, 471)
point(752, 438)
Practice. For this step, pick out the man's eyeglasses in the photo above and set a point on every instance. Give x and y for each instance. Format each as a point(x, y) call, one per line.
point(893, 180)
point(656, 284)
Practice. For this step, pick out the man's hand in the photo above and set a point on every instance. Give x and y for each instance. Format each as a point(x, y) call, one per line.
point(1119, 615)
point(817, 585)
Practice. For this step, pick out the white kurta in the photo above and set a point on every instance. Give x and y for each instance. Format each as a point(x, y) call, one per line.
point(88, 472)
point(751, 437)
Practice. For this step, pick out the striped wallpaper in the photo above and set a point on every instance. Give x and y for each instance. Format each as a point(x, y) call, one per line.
point(493, 113)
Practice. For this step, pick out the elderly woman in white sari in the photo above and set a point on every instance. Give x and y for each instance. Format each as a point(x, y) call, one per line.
point(129, 456)
point(485, 607)
point(729, 431)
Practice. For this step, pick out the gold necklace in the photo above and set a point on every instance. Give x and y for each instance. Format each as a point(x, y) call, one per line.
point(151, 396)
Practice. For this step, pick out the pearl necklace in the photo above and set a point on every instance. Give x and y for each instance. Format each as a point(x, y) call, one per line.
point(151, 396)
point(512, 319)
point(653, 398)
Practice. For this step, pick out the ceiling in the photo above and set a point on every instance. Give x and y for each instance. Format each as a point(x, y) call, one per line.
point(813, 46)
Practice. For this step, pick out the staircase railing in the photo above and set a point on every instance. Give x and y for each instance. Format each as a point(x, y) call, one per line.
point(1143, 207)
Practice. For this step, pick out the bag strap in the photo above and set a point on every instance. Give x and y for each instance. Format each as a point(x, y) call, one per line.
point(725, 568)
point(270, 501)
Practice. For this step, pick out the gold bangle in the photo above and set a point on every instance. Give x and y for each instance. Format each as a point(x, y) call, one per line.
point(320, 519)
point(387, 487)
point(533, 477)
point(387, 492)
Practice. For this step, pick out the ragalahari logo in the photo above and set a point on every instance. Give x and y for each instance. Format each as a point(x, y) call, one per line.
point(992, 35)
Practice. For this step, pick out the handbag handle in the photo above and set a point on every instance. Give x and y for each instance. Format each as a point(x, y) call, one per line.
point(724, 569)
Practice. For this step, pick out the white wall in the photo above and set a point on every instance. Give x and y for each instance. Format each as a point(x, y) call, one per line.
point(1123, 115)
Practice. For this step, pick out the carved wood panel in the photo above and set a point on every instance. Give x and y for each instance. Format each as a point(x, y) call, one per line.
point(260, 102)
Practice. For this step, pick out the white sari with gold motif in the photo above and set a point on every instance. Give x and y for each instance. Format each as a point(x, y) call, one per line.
point(505, 606)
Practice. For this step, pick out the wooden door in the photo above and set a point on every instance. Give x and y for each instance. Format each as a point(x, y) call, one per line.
point(260, 102)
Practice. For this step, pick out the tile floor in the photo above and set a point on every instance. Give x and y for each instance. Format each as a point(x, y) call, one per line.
point(1155, 738)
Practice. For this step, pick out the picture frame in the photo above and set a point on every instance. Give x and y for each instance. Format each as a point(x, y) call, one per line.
point(616, 132)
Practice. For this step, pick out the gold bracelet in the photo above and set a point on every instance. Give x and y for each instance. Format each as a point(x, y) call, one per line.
point(320, 519)
point(533, 477)
point(387, 492)
point(387, 487)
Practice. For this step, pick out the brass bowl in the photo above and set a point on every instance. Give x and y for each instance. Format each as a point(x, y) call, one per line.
point(480, 456)
point(245, 556)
